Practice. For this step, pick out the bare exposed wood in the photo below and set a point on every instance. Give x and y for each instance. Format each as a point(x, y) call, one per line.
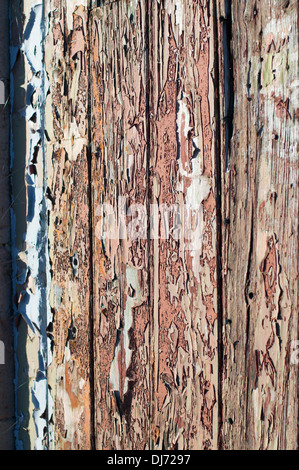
point(260, 229)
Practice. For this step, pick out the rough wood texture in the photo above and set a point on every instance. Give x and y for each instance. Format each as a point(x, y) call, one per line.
point(155, 235)
point(182, 314)
point(119, 181)
point(260, 229)
point(67, 126)
point(183, 267)
point(52, 231)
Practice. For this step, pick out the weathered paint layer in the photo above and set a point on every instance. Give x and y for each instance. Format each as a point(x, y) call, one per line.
point(183, 280)
point(119, 179)
point(154, 223)
point(67, 125)
point(30, 245)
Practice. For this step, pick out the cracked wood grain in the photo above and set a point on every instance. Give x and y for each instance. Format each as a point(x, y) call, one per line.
point(174, 332)
point(183, 281)
point(67, 125)
point(260, 238)
point(182, 315)
point(119, 180)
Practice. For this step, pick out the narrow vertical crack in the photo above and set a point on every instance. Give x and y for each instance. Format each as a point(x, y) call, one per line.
point(247, 303)
point(228, 79)
point(148, 179)
point(218, 196)
point(223, 47)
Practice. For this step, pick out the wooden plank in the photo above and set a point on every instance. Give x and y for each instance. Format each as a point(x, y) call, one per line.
point(67, 125)
point(183, 270)
point(28, 224)
point(260, 236)
point(120, 260)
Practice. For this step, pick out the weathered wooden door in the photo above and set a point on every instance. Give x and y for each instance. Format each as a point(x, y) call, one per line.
point(155, 223)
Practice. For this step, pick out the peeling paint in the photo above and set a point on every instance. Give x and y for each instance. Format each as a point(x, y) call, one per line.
point(176, 338)
point(33, 302)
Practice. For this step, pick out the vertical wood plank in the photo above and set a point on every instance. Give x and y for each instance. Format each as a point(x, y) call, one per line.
point(67, 126)
point(29, 223)
point(183, 272)
point(260, 250)
point(120, 260)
